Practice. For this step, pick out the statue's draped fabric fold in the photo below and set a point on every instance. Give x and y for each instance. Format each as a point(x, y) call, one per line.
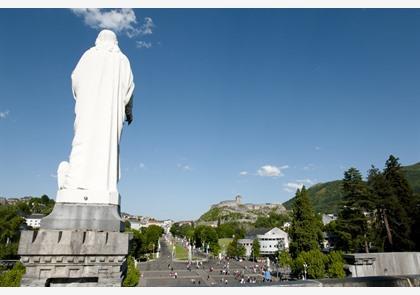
point(102, 84)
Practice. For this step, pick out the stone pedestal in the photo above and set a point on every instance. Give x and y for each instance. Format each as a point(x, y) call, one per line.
point(73, 257)
point(70, 216)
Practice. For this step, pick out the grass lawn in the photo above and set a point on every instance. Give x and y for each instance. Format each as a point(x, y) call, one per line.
point(224, 244)
point(180, 252)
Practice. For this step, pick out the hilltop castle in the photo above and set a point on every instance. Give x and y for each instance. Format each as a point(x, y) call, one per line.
point(237, 205)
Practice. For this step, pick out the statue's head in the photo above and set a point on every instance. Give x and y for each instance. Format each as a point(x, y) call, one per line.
point(107, 40)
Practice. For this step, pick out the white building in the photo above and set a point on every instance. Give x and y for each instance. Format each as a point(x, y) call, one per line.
point(327, 218)
point(34, 220)
point(247, 243)
point(273, 241)
point(270, 241)
point(134, 224)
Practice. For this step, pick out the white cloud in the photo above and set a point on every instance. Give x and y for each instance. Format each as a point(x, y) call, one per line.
point(53, 175)
point(292, 186)
point(317, 148)
point(271, 171)
point(184, 167)
point(307, 180)
point(309, 167)
point(5, 114)
point(243, 173)
point(119, 20)
point(142, 166)
point(147, 27)
point(143, 44)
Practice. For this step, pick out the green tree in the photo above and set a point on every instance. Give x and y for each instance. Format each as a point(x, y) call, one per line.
point(401, 191)
point(151, 236)
point(315, 261)
point(305, 230)
point(235, 249)
point(12, 278)
point(391, 220)
point(10, 223)
point(273, 219)
point(133, 274)
point(415, 232)
point(255, 249)
point(215, 249)
point(352, 229)
point(136, 247)
point(204, 235)
point(285, 260)
point(335, 265)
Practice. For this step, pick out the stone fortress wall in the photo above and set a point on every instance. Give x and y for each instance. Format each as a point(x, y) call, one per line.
point(237, 205)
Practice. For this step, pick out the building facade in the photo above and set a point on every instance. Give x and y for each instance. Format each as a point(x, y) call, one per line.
point(270, 242)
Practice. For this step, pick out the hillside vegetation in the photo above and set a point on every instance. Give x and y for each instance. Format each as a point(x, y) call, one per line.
point(326, 197)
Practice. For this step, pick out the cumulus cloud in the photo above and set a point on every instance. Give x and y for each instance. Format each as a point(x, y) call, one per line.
point(143, 44)
point(119, 20)
point(243, 173)
point(4, 114)
point(271, 171)
point(291, 187)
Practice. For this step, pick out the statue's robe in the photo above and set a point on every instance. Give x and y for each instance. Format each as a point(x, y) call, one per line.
point(102, 84)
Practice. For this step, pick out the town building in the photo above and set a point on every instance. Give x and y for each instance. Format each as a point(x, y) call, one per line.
point(271, 241)
point(327, 218)
point(12, 201)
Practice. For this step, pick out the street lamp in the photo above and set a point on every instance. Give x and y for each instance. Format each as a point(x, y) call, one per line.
point(304, 269)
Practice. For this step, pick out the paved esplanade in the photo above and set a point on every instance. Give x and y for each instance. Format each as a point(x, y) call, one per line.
point(161, 272)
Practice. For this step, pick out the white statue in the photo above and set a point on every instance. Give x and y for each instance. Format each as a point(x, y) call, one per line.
point(102, 84)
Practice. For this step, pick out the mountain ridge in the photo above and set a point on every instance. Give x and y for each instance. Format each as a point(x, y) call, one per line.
point(326, 196)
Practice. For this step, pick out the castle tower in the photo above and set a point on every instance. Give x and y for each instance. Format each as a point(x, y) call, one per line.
point(238, 199)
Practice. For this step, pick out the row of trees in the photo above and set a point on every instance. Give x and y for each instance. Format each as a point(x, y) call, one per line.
point(380, 214)
point(203, 235)
point(144, 241)
point(271, 220)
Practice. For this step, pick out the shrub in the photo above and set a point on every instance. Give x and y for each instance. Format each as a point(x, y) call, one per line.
point(132, 278)
point(335, 265)
point(12, 278)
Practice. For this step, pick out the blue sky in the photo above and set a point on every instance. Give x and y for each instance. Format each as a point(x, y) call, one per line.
point(227, 101)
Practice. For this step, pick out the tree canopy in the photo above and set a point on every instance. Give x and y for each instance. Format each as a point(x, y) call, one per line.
point(305, 230)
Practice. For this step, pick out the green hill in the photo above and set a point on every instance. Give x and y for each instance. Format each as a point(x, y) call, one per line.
point(326, 197)
point(412, 173)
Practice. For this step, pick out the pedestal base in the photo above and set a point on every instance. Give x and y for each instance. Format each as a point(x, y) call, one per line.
point(73, 258)
point(71, 216)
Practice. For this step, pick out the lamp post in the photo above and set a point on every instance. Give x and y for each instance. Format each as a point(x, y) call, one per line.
point(304, 270)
